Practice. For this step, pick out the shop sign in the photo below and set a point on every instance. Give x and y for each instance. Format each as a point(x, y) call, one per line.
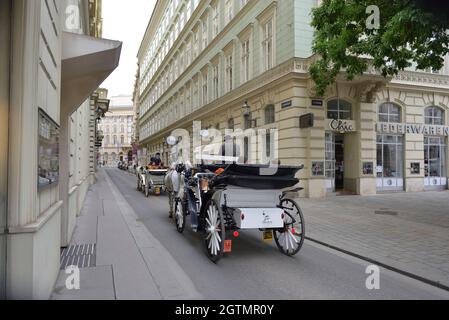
point(413, 128)
point(342, 125)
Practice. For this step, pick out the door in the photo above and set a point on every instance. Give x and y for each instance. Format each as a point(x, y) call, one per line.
point(339, 162)
point(390, 159)
point(334, 161)
point(435, 163)
point(5, 13)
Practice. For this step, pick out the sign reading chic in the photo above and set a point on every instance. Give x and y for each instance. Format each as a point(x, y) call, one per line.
point(413, 128)
point(342, 125)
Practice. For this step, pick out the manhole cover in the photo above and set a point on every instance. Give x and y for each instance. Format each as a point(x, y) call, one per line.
point(386, 212)
point(81, 255)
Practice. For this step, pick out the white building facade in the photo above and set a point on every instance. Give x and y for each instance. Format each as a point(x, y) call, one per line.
point(48, 133)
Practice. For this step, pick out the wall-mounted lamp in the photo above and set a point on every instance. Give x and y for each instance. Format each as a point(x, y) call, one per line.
point(246, 110)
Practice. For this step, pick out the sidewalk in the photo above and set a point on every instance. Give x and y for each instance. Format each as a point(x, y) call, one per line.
point(408, 231)
point(117, 255)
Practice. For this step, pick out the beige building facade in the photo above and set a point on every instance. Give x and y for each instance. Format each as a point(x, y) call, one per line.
point(205, 60)
point(117, 128)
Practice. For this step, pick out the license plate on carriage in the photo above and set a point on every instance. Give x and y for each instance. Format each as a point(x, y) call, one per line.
point(268, 236)
point(227, 246)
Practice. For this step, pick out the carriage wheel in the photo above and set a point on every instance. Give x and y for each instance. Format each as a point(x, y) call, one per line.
point(290, 239)
point(214, 231)
point(138, 184)
point(180, 215)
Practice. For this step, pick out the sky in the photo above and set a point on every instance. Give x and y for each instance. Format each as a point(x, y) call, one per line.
point(126, 21)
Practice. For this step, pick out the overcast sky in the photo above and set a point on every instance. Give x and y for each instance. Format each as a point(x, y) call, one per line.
point(126, 21)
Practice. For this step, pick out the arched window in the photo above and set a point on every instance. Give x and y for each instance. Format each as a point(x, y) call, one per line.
point(389, 112)
point(231, 124)
point(434, 115)
point(269, 114)
point(339, 109)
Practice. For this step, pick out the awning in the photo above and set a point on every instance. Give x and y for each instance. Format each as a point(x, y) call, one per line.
point(86, 63)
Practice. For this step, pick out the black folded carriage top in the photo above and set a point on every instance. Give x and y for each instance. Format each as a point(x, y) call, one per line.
point(258, 176)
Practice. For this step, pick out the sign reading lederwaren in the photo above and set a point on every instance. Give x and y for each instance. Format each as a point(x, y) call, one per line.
point(412, 128)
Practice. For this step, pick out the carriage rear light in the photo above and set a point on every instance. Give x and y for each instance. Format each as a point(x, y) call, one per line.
point(243, 216)
point(236, 234)
point(293, 231)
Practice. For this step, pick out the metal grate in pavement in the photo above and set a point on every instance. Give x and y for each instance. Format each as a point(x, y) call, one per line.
point(386, 212)
point(81, 255)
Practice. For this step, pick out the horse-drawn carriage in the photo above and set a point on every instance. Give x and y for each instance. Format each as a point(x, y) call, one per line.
point(150, 179)
point(223, 199)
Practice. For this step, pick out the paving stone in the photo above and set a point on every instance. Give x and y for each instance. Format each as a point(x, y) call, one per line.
point(416, 240)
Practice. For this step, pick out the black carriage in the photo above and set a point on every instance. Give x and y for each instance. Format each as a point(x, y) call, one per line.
point(221, 200)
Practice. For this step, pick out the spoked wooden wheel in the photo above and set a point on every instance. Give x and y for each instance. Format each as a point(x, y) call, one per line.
point(180, 216)
point(290, 239)
point(138, 184)
point(214, 231)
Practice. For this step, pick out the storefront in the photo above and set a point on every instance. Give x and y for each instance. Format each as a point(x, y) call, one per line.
point(426, 145)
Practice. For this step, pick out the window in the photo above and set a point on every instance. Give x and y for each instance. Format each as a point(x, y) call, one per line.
point(216, 81)
point(339, 109)
point(205, 98)
point(114, 128)
point(434, 157)
point(269, 114)
point(229, 73)
point(114, 139)
point(195, 94)
point(389, 112)
point(215, 20)
point(269, 145)
point(196, 44)
point(188, 53)
point(248, 120)
point(231, 124)
point(205, 35)
point(122, 129)
point(122, 140)
point(229, 11)
point(245, 61)
point(267, 45)
point(434, 115)
point(246, 151)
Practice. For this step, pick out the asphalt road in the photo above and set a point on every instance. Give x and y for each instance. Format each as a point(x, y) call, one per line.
point(256, 270)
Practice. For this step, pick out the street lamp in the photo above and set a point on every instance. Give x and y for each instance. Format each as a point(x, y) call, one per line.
point(246, 110)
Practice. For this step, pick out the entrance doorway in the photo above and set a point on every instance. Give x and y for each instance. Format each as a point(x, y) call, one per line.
point(334, 161)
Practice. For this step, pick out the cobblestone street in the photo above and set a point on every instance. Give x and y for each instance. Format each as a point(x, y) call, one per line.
point(408, 231)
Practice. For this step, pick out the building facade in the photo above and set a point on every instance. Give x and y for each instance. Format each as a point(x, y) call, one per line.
point(117, 129)
point(202, 60)
point(48, 134)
